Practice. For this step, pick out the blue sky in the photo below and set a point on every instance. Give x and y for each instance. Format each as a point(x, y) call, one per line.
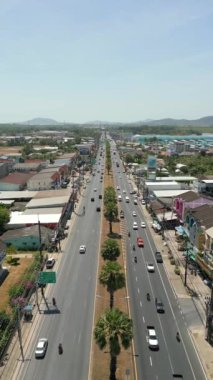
point(115, 60)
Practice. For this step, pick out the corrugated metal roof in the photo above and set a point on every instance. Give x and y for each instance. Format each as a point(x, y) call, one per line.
point(209, 181)
point(168, 193)
point(17, 178)
point(44, 210)
point(42, 202)
point(17, 194)
point(209, 232)
point(18, 218)
point(52, 193)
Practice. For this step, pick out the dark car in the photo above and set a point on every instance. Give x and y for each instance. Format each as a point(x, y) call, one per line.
point(158, 257)
point(98, 209)
point(100, 196)
point(159, 305)
point(92, 199)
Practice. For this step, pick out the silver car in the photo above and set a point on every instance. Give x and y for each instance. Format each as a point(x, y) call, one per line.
point(41, 348)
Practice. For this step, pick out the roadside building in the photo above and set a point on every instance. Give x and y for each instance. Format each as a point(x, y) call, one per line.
point(4, 169)
point(15, 181)
point(26, 167)
point(189, 200)
point(19, 220)
point(44, 180)
point(28, 239)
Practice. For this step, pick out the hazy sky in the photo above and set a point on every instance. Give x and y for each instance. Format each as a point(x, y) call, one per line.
point(115, 60)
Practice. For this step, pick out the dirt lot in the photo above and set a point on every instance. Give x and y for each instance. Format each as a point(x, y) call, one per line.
point(101, 359)
point(15, 272)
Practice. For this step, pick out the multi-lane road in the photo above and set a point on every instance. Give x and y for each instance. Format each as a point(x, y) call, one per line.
point(74, 292)
point(173, 357)
point(75, 296)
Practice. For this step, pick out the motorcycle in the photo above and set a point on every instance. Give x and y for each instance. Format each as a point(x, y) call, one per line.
point(60, 349)
point(148, 297)
point(133, 247)
point(54, 301)
point(129, 234)
point(178, 337)
point(135, 259)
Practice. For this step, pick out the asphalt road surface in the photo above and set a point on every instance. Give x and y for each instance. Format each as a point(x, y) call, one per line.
point(173, 357)
point(74, 293)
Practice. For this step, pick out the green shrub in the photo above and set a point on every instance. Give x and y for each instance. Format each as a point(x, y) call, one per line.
point(177, 270)
point(172, 261)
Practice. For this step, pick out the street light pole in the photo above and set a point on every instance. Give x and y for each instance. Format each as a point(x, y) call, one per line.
point(186, 263)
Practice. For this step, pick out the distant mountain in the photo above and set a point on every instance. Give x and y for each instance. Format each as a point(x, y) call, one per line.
point(202, 122)
point(41, 121)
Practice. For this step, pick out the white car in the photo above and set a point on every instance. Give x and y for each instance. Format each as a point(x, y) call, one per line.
point(143, 225)
point(95, 189)
point(124, 191)
point(41, 348)
point(152, 338)
point(143, 202)
point(135, 226)
point(134, 213)
point(82, 249)
point(118, 187)
point(150, 267)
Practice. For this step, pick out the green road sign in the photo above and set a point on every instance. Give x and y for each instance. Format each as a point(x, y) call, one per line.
point(47, 278)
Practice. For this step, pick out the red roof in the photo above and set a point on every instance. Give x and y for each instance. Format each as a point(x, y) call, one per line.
point(17, 178)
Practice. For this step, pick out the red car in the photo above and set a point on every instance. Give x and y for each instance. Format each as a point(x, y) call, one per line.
point(140, 242)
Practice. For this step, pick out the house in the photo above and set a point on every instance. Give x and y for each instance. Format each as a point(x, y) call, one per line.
point(15, 181)
point(27, 238)
point(44, 180)
point(190, 199)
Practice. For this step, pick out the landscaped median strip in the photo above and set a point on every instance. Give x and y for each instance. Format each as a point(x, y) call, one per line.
point(114, 307)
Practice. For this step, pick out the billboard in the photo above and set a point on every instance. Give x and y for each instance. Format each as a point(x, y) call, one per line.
point(152, 162)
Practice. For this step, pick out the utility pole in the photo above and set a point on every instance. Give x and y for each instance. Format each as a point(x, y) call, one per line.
point(186, 263)
point(209, 319)
point(40, 242)
point(19, 333)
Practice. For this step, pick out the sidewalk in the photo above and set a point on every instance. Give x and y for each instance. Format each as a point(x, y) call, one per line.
point(197, 331)
point(12, 362)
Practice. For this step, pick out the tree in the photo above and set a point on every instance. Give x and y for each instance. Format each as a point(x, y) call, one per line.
point(111, 214)
point(110, 250)
point(109, 195)
point(114, 328)
point(112, 277)
point(108, 166)
point(4, 216)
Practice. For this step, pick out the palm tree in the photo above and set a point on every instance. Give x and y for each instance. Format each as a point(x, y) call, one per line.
point(110, 250)
point(112, 277)
point(109, 195)
point(111, 214)
point(114, 328)
point(108, 166)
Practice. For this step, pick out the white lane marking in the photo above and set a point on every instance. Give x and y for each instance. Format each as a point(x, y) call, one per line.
point(79, 338)
point(136, 278)
point(138, 291)
point(143, 320)
point(186, 353)
point(140, 303)
point(150, 359)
